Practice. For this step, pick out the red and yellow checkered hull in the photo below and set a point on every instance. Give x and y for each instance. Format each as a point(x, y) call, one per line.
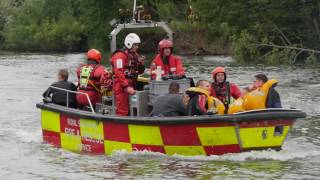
point(99, 134)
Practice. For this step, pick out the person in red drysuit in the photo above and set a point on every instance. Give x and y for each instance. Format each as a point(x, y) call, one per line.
point(126, 66)
point(170, 65)
point(223, 89)
point(90, 78)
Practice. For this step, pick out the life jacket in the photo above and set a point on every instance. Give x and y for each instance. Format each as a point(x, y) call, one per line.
point(106, 84)
point(223, 93)
point(87, 81)
point(213, 103)
point(216, 105)
point(256, 99)
point(196, 90)
point(236, 106)
point(132, 67)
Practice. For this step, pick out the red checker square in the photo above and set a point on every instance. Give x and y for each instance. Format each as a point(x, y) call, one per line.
point(51, 138)
point(182, 135)
point(70, 125)
point(90, 145)
point(151, 148)
point(116, 132)
point(219, 150)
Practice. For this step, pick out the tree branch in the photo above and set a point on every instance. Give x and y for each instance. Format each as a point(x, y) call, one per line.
point(289, 47)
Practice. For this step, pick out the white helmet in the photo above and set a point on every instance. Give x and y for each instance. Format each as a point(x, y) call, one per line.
point(131, 39)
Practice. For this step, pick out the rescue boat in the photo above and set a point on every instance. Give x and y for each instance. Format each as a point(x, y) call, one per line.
point(96, 133)
point(103, 132)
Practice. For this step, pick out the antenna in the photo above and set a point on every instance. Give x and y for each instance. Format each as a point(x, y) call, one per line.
point(134, 10)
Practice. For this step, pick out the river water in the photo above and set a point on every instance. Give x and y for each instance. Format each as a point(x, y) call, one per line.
point(24, 156)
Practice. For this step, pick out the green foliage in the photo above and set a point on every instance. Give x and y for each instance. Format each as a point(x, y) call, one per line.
point(243, 48)
point(312, 60)
point(37, 26)
point(4, 8)
point(240, 25)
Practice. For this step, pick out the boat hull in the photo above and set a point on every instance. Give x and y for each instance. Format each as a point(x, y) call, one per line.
point(211, 135)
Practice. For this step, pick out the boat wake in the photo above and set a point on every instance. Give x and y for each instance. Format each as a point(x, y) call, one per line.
point(26, 136)
point(293, 149)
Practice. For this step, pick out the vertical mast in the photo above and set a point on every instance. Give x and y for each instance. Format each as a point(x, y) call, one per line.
point(134, 10)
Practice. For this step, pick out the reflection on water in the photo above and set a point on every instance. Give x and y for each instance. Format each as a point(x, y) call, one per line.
point(23, 156)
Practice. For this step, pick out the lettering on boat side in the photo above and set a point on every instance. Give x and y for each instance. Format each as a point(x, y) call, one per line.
point(71, 131)
point(92, 145)
point(72, 122)
point(70, 125)
point(86, 147)
point(91, 140)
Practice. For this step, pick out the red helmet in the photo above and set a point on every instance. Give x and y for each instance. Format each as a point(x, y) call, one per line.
point(94, 54)
point(165, 43)
point(218, 70)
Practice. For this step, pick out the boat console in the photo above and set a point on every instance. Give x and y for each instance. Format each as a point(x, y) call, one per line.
point(141, 103)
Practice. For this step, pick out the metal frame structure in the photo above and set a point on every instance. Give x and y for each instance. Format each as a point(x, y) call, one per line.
point(133, 25)
point(75, 92)
point(119, 27)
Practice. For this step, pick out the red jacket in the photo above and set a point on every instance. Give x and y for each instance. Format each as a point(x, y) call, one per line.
point(221, 92)
point(90, 83)
point(125, 66)
point(97, 72)
point(174, 66)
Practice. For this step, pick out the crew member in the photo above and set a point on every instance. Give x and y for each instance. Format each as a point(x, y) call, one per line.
point(222, 89)
point(126, 65)
point(168, 64)
point(201, 103)
point(90, 76)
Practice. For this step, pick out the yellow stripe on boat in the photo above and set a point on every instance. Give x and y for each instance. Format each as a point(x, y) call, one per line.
point(91, 128)
point(262, 137)
point(71, 142)
point(111, 146)
point(146, 135)
point(185, 150)
point(215, 136)
point(50, 121)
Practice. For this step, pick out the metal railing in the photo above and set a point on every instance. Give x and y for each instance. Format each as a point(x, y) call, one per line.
point(75, 92)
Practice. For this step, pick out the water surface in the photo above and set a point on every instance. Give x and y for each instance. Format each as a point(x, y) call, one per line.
point(24, 156)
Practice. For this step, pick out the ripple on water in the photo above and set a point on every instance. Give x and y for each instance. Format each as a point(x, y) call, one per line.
point(24, 156)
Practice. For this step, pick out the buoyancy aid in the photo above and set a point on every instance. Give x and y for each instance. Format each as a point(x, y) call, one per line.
point(106, 84)
point(236, 106)
point(222, 92)
point(126, 67)
point(216, 105)
point(87, 81)
point(256, 99)
point(213, 103)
